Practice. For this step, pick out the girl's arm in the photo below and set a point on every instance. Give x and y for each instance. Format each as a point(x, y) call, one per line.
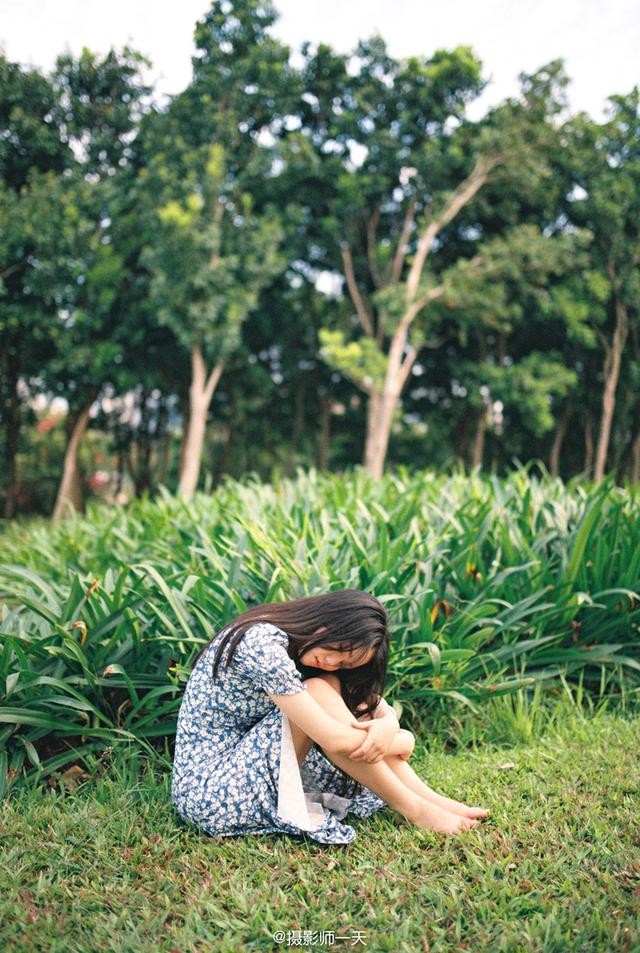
point(331, 735)
point(385, 710)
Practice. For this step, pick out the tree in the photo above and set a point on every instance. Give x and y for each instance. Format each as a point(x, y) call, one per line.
point(32, 152)
point(102, 99)
point(216, 246)
point(509, 287)
point(387, 217)
point(605, 161)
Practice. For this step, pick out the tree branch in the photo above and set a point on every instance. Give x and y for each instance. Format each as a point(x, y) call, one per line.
point(401, 251)
point(214, 377)
point(372, 229)
point(418, 305)
point(359, 302)
point(603, 341)
point(406, 366)
point(461, 197)
point(11, 268)
point(615, 281)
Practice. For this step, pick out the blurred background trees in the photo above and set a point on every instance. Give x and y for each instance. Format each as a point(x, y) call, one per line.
point(317, 260)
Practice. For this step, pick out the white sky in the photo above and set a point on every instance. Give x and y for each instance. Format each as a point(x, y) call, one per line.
point(598, 39)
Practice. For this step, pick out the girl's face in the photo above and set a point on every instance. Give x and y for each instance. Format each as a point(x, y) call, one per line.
point(331, 658)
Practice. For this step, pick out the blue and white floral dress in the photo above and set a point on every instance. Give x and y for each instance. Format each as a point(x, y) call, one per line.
point(235, 770)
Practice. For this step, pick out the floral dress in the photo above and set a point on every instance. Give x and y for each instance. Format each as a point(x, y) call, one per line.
point(235, 770)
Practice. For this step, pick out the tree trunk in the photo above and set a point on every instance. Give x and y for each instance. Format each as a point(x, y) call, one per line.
point(142, 474)
point(635, 459)
point(561, 429)
point(200, 394)
point(165, 452)
point(379, 419)
point(12, 432)
point(324, 442)
point(69, 496)
point(612, 363)
point(232, 425)
point(161, 445)
point(460, 438)
point(298, 425)
point(119, 473)
point(184, 413)
point(383, 400)
point(588, 443)
point(383, 403)
point(477, 451)
point(622, 433)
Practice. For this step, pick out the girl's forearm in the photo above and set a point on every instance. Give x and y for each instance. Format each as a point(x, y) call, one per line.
point(384, 710)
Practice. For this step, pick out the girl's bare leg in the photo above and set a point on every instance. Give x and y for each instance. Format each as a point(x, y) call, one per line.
point(379, 777)
point(402, 770)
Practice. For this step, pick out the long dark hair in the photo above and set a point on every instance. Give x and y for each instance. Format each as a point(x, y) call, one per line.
point(352, 619)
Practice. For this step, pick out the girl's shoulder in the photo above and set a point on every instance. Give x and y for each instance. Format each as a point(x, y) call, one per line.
point(262, 637)
point(262, 658)
point(255, 641)
point(267, 630)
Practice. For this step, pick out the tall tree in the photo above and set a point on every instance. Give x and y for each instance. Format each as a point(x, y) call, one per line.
point(386, 217)
point(102, 100)
point(605, 160)
point(217, 242)
point(32, 152)
point(508, 287)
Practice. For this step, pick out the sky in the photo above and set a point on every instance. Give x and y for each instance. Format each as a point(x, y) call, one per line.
point(598, 39)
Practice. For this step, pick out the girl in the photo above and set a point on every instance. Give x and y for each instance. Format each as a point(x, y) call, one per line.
point(260, 750)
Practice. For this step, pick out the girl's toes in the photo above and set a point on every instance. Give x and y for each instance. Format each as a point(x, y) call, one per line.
point(478, 812)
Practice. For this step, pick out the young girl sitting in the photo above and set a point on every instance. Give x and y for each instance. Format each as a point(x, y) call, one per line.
point(283, 727)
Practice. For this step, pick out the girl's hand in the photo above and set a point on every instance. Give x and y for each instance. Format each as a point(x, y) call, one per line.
point(377, 742)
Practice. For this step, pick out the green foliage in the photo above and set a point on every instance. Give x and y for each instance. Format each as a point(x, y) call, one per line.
point(129, 232)
point(99, 98)
point(490, 586)
point(215, 247)
point(209, 262)
point(361, 361)
point(604, 159)
point(529, 386)
point(31, 139)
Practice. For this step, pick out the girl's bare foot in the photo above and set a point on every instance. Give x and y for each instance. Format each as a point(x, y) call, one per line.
point(477, 812)
point(456, 807)
point(436, 818)
point(459, 807)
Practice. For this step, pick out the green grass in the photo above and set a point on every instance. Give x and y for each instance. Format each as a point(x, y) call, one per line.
point(110, 866)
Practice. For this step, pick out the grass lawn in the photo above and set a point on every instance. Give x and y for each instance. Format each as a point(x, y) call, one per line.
point(110, 866)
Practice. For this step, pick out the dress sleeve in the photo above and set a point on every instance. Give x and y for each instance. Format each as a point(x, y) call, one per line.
point(261, 656)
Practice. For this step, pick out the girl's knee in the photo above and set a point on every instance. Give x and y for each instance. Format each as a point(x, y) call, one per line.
point(327, 679)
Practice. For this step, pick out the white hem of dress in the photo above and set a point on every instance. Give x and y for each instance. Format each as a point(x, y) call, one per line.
point(303, 809)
